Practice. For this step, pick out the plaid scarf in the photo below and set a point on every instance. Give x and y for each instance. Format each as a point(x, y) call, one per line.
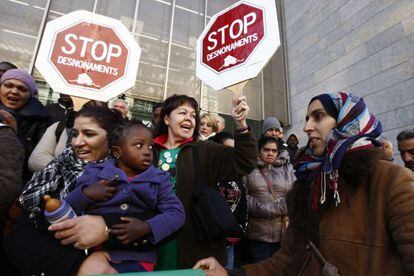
point(57, 179)
point(356, 129)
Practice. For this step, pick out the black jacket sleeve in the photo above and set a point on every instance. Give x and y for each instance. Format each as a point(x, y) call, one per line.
point(11, 166)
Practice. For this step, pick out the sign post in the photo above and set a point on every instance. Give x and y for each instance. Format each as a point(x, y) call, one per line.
point(87, 55)
point(237, 88)
point(237, 43)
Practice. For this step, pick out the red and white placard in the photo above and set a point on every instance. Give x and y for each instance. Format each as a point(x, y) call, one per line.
point(237, 43)
point(88, 55)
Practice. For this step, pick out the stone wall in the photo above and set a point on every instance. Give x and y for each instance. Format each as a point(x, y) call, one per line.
point(361, 46)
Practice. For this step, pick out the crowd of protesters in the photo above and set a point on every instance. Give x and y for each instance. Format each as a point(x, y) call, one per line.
point(300, 210)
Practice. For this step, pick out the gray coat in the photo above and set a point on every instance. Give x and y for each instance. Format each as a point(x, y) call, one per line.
point(265, 211)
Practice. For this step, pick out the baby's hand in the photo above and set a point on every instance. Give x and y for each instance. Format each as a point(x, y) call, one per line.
point(101, 191)
point(130, 231)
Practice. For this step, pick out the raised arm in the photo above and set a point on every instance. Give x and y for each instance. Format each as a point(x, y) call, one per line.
point(222, 163)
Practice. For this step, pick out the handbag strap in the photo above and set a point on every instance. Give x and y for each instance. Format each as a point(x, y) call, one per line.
point(269, 184)
point(328, 269)
point(317, 252)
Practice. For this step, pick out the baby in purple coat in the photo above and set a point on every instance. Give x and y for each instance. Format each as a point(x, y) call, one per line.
point(127, 187)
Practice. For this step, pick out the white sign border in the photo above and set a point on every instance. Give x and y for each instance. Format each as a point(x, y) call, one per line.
point(56, 80)
point(257, 59)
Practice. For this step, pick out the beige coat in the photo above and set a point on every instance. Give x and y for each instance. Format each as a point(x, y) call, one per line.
point(47, 148)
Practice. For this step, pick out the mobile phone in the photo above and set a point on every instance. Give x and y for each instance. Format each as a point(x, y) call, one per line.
point(1, 118)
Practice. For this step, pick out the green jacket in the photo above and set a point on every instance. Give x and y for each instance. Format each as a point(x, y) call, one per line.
point(218, 163)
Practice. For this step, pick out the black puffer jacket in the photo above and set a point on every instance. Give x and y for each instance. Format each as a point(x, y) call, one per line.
point(32, 121)
point(11, 164)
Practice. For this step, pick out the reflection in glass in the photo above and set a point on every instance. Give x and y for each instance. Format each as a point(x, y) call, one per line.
point(122, 10)
point(62, 7)
point(20, 21)
point(152, 34)
point(187, 27)
point(274, 75)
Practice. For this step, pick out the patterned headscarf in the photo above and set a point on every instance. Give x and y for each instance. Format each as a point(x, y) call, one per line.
point(356, 129)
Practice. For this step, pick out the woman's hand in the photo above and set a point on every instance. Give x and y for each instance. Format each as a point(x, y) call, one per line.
point(239, 112)
point(211, 267)
point(8, 119)
point(96, 263)
point(84, 232)
point(131, 230)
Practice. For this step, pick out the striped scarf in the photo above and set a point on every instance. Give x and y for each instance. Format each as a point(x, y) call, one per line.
point(57, 179)
point(356, 129)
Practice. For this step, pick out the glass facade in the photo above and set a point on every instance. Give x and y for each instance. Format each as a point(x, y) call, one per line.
point(167, 31)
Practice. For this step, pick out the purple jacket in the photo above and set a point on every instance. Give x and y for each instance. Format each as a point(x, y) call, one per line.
point(149, 191)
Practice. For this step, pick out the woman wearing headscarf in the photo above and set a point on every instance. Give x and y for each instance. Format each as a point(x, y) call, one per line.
point(17, 98)
point(349, 206)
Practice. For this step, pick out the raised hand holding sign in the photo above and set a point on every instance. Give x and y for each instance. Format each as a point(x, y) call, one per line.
point(237, 44)
point(89, 56)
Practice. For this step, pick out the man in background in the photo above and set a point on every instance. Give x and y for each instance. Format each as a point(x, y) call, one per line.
point(406, 147)
point(292, 146)
point(59, 110)
point(122, 106)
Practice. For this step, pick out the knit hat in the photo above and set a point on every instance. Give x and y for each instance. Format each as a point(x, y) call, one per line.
point(271, 122)
point(22, 76)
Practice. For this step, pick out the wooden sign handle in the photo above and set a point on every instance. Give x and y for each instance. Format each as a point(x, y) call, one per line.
point(78, 102)
point(237, 88)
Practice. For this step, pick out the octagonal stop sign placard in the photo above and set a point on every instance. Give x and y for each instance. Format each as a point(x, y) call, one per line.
point(233, 37)
point(237, 43)
point(88, 55)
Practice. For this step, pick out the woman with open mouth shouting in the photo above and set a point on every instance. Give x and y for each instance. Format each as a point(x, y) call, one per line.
point(175, 141)
point(17, 99)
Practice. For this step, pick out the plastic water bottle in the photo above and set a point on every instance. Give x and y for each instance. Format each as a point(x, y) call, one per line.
point(57, 210)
